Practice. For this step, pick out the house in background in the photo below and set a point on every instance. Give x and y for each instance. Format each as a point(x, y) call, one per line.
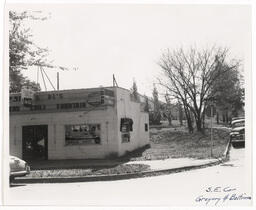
point(76, 124)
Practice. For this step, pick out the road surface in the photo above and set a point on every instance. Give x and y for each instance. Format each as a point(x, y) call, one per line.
point(230, 180)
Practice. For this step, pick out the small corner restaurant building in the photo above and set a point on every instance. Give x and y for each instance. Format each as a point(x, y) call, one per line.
point(93, 123)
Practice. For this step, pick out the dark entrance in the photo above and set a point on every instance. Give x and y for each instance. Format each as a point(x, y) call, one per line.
point(35, 142)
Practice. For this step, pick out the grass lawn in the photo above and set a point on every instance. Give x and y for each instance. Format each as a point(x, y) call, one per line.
point(174, 143)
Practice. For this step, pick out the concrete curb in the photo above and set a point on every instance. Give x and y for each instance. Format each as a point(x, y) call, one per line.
point(226, 152)
point(24, 180)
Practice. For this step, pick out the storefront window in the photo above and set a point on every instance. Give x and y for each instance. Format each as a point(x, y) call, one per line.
point(82, 134)
point(126, 126)
point(126, 137)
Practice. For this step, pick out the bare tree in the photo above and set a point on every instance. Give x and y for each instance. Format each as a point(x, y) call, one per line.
point(189, 77)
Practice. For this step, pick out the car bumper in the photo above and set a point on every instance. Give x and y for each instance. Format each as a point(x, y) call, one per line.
point(20, 173)
point(237, 140)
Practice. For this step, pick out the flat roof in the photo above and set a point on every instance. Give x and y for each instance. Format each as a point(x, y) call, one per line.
point(79, 89)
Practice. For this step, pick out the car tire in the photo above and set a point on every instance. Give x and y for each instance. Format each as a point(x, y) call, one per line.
point(234, 145)
point(11, 179)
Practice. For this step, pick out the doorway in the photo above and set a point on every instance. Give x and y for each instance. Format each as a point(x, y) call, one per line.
point(35, 142)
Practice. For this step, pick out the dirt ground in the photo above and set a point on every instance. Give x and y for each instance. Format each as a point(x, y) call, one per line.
point(178, 143)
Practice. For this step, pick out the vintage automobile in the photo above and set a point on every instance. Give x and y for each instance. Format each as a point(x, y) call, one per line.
point(237, 118)
point(237, 136)
point(18, 167)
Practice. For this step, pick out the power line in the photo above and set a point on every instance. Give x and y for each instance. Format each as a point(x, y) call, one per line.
point(37, 75)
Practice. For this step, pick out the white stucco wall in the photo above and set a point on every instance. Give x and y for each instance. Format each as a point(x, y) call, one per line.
point(130, 109)
point(56, 133)
point(109, 119)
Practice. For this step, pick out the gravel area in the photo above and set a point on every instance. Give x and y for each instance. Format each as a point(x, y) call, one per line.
point(120, 169)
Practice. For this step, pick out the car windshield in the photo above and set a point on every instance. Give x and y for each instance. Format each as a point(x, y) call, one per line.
point(238, 124)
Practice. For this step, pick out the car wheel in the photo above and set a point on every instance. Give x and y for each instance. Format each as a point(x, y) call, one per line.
point(11, 179)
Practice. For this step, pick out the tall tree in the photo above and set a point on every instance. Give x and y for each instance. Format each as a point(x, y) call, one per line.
point(146, 107)
point(189, 76)
point(23, 52)
point(156, 111)
point(134, 91)
point(228, 93)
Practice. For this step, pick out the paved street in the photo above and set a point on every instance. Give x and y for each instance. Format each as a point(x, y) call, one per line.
point(230, 182)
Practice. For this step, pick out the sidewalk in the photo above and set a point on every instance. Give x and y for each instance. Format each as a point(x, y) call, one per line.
point(157, 167)
point(84, 164)
point(174, 163)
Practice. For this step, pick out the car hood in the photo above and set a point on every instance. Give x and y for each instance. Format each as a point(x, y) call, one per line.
point(16, 164)
point(16, 158)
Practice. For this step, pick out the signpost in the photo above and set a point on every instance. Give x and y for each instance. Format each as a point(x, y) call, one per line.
point(211, 130)
point(211, 115)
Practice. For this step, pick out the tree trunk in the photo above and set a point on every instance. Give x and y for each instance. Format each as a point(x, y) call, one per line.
point(180, 115)
point(226, 117)
point(170, 120)
point(217, 117)
point(189, 120)
point(181, 121)
point(203, 120)
point(190, 126)
point(199, 124)
point(223, 118)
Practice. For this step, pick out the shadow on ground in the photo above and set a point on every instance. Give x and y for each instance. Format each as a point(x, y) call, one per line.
point(96, 164)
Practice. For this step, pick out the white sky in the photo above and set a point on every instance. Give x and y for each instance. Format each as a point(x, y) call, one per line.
point(127, 40)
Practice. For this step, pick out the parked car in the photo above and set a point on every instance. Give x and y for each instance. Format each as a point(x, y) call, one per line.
point(237, 136)
point(237, 118)
point(18, 167)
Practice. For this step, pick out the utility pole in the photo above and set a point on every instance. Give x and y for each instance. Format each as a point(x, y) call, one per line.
point(114, 81)
point(210, 102)
point(58, 80)
point(211, 130)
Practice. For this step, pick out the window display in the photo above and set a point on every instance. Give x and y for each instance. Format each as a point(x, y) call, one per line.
point(126, 126)
point(82, 134)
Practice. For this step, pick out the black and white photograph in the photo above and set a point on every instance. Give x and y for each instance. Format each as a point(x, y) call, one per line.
point(127, 104)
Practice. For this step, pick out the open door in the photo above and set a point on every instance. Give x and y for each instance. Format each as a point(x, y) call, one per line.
point(35, 142)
